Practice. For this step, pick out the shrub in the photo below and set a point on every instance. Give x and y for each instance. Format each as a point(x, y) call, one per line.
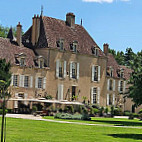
point(2, 111)
point(127, 113)
point(34, 109)
point(95, 106)
point(70, 116)
point(136, 115)
point(80, 109)
point(140, 116)
point(140, 111)
point(106, 110)
point(112, 111)
point(96, 111)
point(131, 116)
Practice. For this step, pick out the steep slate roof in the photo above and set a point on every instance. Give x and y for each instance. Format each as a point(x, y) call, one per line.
point(9, 50)
point(52, 30)
point(113, 63)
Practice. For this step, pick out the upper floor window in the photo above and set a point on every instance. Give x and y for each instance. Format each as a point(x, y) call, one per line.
point(40, 82)
point(121, 86)
point(15, 80)
point(111, 72)
point(121, 74)
point(60, 69)
point(26, 81)
point(95, 73)
point(74, 70)
point(110, 85)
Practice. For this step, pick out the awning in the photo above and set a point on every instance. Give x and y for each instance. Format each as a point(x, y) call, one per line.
point(47, 101)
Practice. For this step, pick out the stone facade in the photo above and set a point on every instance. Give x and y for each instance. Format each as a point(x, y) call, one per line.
point(59, 58)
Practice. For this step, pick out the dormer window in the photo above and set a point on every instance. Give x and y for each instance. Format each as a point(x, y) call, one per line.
point(111, 72)
point(22, 62)
point(40, 62)
point(121, 73)
point(95, 51)
point(60, 44)
point(74, 46)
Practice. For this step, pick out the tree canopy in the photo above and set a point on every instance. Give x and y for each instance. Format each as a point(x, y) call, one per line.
point(4, 31)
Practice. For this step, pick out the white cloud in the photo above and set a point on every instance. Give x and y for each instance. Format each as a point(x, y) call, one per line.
point(107, 1)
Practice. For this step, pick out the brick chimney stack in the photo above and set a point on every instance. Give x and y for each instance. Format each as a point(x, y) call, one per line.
point(70, 19)
point(35, 29)
point(106, 48)
point(19, 34)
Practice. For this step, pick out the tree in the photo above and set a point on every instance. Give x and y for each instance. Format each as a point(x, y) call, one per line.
point(135, 90)
point(5, 79)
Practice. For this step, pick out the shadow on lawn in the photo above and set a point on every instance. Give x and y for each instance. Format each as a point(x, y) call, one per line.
point(130, 136)
point(120, 123)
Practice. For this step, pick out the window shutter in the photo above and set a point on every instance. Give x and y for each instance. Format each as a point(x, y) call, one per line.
point(119, 85)
point(113, 99)
point(11, 80)
point(31, 81)
point(65, 72)
point(16, 102)
point(70, 69)
point(77, 70)
point(93, 73)
point(92, 95)
point(25, 97)
point(57, 68)
point(44, 82)
point(113, 85)
point(60, 92)
point(99, 73)
point(108, 82)
point(107, 99)
point(98, 95)
point(124, 88)
point(36, 82)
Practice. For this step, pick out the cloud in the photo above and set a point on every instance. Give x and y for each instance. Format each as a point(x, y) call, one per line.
point(102, 1)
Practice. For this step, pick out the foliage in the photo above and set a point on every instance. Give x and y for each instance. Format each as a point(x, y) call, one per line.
point(34, 108)
point(127, 113)
point(112, 111)
point(140, 111)
point(96, 111)
point(4, 31)
point(84, 99)
point(48, 97)
point(131, 116)
point(2, 110)
point(101, 111)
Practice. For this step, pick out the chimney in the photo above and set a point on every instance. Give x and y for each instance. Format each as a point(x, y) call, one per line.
point(19, 34)
point(106, 47)
point(70, 19)
point(35, 29)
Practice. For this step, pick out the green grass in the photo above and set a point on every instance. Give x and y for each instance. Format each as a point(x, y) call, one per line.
point(106, 121)
point(22, 130)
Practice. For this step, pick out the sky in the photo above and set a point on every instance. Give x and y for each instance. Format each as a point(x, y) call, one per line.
point(116, 22)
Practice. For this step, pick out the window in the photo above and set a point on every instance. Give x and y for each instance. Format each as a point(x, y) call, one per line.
point(111, 72)
point(94, 95)
point(26, 81)
point(110, 99)
point(95, 51)
point(15, 80)
point(61, 69)
point(110, 85)
point(40, 63)
point(73, 46)
point(74, 70)
point(40, 82)
point(95, 73)
point(121, 86)
point(121, 74)
point(60, 44)
point(22, 62)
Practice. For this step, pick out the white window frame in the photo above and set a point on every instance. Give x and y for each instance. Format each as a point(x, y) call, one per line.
point(15, 80)
point(26, 81)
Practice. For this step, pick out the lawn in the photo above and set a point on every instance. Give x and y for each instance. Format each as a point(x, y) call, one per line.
point(106, 121)
point(22, 130)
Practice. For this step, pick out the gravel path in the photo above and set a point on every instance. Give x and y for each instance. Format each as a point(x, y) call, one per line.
point(39, 118)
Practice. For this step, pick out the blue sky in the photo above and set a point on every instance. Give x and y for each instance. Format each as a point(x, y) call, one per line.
point(117, 22)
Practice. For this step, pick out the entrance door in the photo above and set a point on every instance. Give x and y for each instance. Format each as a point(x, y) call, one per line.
point(73, 92)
